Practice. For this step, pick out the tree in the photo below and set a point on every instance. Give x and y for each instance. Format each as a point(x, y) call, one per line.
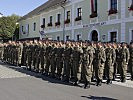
point(8, 26)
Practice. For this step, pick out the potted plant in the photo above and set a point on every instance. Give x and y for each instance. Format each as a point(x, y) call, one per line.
point(42, 26)
point(67, 21)
point(57, 24)
point(130, 8)
point(94, 14)
point(112, 11)
point(78, 18)
point(50, 24)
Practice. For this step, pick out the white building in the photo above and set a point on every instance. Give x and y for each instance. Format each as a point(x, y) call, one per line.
point(94, 20)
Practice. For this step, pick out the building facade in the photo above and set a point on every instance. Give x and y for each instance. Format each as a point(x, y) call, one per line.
point(94, 20)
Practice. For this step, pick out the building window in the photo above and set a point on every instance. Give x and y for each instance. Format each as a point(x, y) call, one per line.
point(22, 28)
point(68, 14)
point(113, 7)
point(51, 19)
point(113, 4)
point(67, 21)
point(79, 14)
point(50, 23)
point(132, 35)
point(78, 37)
point(93, 8)
point(67, 38)
point(43, 23)
point(58, 20)
point(34, 26)
point(27, 28)
point(58, 17)
point(113, 37)
point(58, 38)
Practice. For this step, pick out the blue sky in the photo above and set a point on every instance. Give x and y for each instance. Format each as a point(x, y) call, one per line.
point(19, 7)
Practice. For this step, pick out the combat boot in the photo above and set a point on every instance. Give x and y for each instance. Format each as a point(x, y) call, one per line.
point(99, 82)
point(109, 81)
point(123, 80)
point(87, 85)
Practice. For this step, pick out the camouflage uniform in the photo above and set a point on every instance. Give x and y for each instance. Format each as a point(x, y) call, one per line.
point(124, 56)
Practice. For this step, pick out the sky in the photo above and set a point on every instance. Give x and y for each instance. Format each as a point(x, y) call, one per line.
point(19, 7)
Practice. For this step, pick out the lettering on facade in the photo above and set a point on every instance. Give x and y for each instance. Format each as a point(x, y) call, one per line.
point(95, 24)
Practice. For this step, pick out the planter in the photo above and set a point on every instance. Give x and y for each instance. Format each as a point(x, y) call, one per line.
point(67, 21)
point(42, 26)
point(50, 24)
point(57, 24)
point(78, 18)
point(113, 11)
point(93, 15)
point(130, 8)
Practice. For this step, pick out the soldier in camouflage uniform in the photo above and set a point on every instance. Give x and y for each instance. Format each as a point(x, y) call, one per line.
point(100, 57)
point(59, 60)
point(131, 60)
point(67, 62)
point(47, 57)
point(42, 56)
point(87, 60)
point(76, 59)
point(124, 58)
point(109, 63)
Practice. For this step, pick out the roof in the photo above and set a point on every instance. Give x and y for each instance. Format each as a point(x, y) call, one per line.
point(43, 7)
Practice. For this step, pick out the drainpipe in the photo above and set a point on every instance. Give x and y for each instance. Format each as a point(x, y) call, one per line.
point(63, 23)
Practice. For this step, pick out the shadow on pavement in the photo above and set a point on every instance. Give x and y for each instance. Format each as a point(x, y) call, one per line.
point(98, 98)
point(34, 74)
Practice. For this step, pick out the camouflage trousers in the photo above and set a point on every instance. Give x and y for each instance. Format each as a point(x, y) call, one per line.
point(122, 67)
point(87, 72)
point(76, 70)
point(99, 69)
point(109, 69)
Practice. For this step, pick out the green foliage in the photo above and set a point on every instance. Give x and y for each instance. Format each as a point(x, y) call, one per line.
point(8, 26)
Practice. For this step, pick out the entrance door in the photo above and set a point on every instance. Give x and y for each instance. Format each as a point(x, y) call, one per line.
point(113, 37)
point(94, 36)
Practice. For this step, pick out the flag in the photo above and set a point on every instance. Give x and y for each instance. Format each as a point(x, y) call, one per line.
point(94, 6)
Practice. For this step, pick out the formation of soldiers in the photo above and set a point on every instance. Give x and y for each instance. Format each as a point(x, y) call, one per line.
point(75, 61)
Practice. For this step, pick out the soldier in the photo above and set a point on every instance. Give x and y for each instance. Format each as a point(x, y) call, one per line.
point(53, 59)
point(47, 56)
point(59, 60)
point(109, 63)
point(38, 56)
point(87, 60)
point(29, 53)
point(131, 60)
point(100, 58)
point(43, 52)
point(35, 47)
point(124, 56)
point(67, 62)
point(76, 58)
